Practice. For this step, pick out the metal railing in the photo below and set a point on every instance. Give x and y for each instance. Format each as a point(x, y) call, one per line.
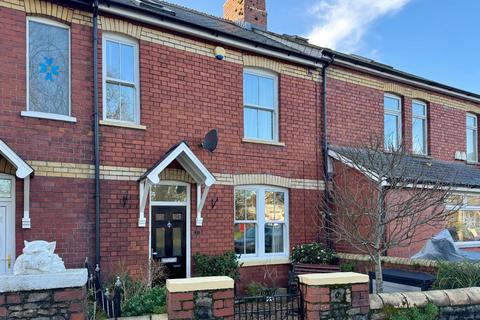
point(268, 307)
point(109, 302)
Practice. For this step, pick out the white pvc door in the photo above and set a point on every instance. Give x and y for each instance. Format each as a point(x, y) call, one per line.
point(7, 223)
point(3, 240)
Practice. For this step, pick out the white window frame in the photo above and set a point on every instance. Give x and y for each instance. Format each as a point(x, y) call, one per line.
point(135, 84)
point(275, 122)
point(398, 114)
point(261, 221)
point(423, 118)
point(474, 128)
point(48, 115)
point(465, 207)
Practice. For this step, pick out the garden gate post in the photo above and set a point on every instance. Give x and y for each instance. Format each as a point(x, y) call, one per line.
point(341, 295)
point(200, 298)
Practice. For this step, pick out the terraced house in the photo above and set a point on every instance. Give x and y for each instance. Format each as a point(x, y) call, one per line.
point(104, 106)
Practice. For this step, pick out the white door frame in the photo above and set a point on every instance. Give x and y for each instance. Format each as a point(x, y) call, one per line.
point(186, 204)
point(10, 223)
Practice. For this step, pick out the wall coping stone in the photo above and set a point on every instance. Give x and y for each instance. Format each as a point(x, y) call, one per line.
point(71, 278)
point(441, 298)
point(199, 284)
point(392, 260)
point(325, 279)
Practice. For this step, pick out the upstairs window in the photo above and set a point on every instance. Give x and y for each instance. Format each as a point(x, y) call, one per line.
point(260, 112)
point(48, 61)
point(120, 80)
point(419, 127)
point(261, 221)
point(472, 134)
point(392, 122)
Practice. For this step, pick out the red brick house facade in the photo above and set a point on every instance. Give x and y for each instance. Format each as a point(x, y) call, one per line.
point(166, 75)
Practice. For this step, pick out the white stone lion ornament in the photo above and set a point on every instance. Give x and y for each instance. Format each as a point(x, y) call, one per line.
point(38, 257)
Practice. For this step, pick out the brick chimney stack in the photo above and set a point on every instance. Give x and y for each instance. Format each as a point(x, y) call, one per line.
point(247, 11)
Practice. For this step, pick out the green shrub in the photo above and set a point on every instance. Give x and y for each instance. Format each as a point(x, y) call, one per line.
point(151, 301)
point(430, 312)
point(452, 275)
point(221, 265)
point(347, 266)
point(313, 253)
point(255, 289)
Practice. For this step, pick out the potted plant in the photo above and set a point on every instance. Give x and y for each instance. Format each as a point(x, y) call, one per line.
point(311, 258)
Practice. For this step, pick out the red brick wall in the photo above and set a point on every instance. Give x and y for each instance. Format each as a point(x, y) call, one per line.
point(356, 113)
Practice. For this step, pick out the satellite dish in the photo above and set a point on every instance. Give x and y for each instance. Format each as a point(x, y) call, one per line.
point(210, 141)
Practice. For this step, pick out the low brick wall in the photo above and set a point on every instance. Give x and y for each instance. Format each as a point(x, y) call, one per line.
point(363, 264)
point(44, 296)
point(200, 298)
point(335, 296)
point(50, 304)
point(453, 304)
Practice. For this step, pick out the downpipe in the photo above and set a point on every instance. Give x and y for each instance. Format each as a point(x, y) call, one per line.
point(96, 132)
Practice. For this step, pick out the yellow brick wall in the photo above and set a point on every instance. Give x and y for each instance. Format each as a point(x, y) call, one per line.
point(86, 171)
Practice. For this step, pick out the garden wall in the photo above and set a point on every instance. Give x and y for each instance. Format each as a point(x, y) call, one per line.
point(453, 304)
point(44, 296)
point(361, 263)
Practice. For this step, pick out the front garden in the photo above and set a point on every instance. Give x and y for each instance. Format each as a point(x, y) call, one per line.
point(147, 295)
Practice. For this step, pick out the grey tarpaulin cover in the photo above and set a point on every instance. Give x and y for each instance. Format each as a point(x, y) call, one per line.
point(442, 247)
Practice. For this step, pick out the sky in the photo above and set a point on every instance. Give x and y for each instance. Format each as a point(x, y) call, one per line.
point(435, 39)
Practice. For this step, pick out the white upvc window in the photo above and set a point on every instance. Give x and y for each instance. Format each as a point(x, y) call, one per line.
point(260, 105)
point(261, 222)
point(419, 127)
point(48, 70)
point(120, 74)
point(472, 136)
point(392, 106)
point(464, 225)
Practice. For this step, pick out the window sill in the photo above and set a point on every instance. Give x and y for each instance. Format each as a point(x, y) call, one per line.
point(272, 143)
point(262, 261)
point(122, 125)
point(467, 244)
point(48, 116)
point(473, 163)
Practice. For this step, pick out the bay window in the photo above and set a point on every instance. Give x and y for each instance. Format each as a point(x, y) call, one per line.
point(464, 225)
point(261, 221)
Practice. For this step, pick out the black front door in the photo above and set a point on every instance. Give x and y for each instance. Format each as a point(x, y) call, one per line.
point(169, 237)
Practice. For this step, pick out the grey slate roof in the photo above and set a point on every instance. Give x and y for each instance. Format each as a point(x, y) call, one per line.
point(421, 169)
point(286, 43)
point(202, 20)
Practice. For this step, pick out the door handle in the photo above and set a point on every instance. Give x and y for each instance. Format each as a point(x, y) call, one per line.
point(154, 253)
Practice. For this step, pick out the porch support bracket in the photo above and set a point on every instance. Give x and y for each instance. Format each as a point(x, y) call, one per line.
point(144, 192)
point(201, 198)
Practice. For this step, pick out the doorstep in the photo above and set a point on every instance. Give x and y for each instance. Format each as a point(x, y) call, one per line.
point(163, 316)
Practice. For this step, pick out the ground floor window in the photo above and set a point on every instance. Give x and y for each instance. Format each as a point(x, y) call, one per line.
point(261, 221)
point(464, 225)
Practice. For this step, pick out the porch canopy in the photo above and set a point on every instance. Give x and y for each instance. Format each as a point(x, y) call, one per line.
point(192, 165)
point(22, 171)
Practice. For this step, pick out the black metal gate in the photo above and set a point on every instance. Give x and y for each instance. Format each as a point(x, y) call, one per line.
point(275, 307)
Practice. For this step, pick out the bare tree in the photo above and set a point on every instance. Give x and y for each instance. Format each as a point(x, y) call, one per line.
point(384, 199)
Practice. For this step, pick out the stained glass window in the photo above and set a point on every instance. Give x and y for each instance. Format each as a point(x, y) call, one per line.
point(48, 68)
